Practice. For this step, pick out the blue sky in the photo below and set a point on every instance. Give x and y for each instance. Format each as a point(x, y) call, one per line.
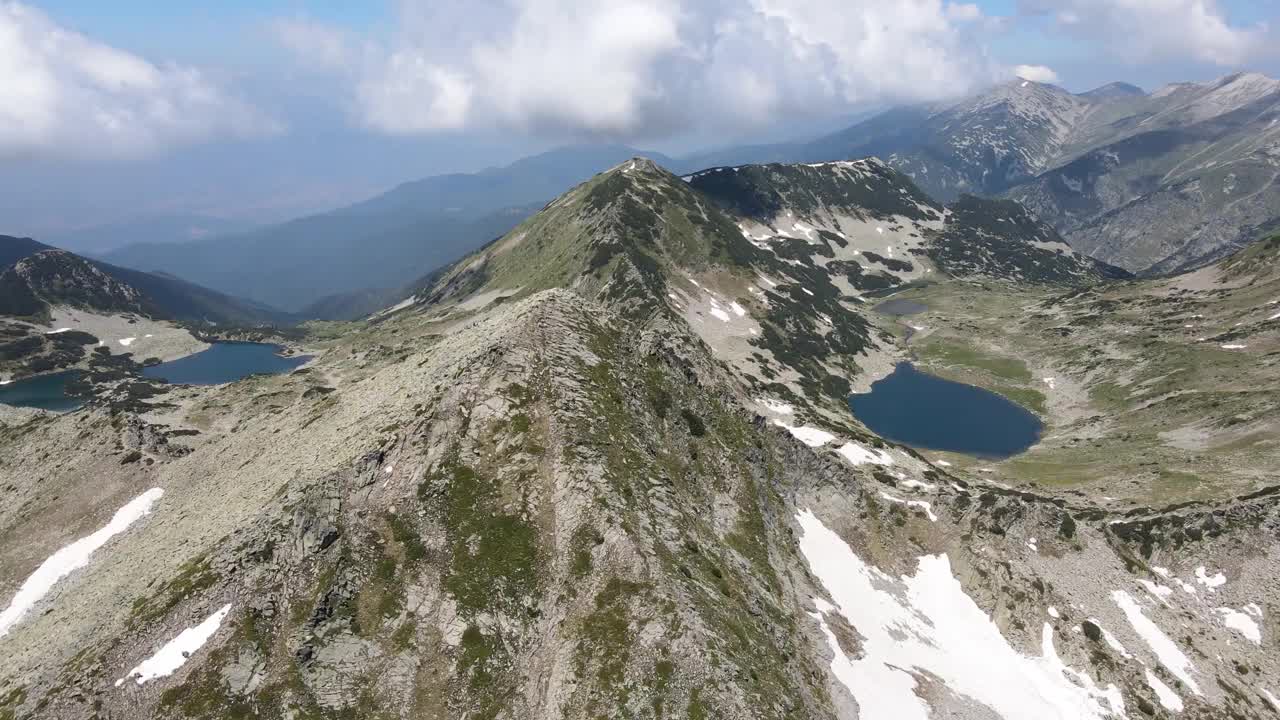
point(264, 109)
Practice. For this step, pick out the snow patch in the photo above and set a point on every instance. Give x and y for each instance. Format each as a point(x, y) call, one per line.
point(1164, 648)
point(1234, 347)
point(59, 331)
point(737, 309)
point(1053, 612)
point(1210, 581)
point(813, 437)
point(719, 314)
point(926, 507)
point(776, 406)
point(925, 624)
point(73, 557)
point(126, 342)
point(858, 455)
point(399, 306)
point(1167, 697)
point(175, 653)
point(1160, 592)
point(1111, 640)
point(1241, 623)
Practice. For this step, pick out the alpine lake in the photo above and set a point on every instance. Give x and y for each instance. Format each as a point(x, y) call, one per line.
point(220, 363)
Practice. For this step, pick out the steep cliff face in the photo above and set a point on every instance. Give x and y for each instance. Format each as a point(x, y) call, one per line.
point(598, 469)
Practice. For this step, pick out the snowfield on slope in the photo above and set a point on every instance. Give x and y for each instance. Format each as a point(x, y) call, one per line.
point(72, 558)
point(925, 624)
point(174, 654)
point(1165, 649)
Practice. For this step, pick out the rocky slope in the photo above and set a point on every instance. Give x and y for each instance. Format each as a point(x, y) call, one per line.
point(598, 470)
point(1186, 178)
point(870, 212)
point(1152, 182)
point(33, 284)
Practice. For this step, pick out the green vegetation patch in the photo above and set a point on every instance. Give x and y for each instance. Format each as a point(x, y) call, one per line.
point(608, 639)
point(492, 554)
point(193, 577)
point(950, 353)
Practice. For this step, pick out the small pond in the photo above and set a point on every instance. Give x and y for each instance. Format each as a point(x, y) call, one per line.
point(930, 413)
point(225, 362)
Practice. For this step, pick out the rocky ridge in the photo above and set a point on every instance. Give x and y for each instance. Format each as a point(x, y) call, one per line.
point(561, 485)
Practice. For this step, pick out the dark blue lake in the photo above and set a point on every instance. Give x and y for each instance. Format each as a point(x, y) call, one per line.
point(927, 412)
point(47, 392)
point(225, 362)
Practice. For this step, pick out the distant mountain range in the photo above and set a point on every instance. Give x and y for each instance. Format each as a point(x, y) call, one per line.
point(1152, 182)
point(1148, 182)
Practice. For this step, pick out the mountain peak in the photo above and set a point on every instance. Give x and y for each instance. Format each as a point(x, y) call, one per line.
point(58, 277)
point(1114, 90)
point(638, 164)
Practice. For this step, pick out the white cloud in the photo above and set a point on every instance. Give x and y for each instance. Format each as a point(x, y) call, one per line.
point(327, 47)
point(1148, 30)
point(965, 12)
point(64, 93)
point(1036, 73)
point(646, 67)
